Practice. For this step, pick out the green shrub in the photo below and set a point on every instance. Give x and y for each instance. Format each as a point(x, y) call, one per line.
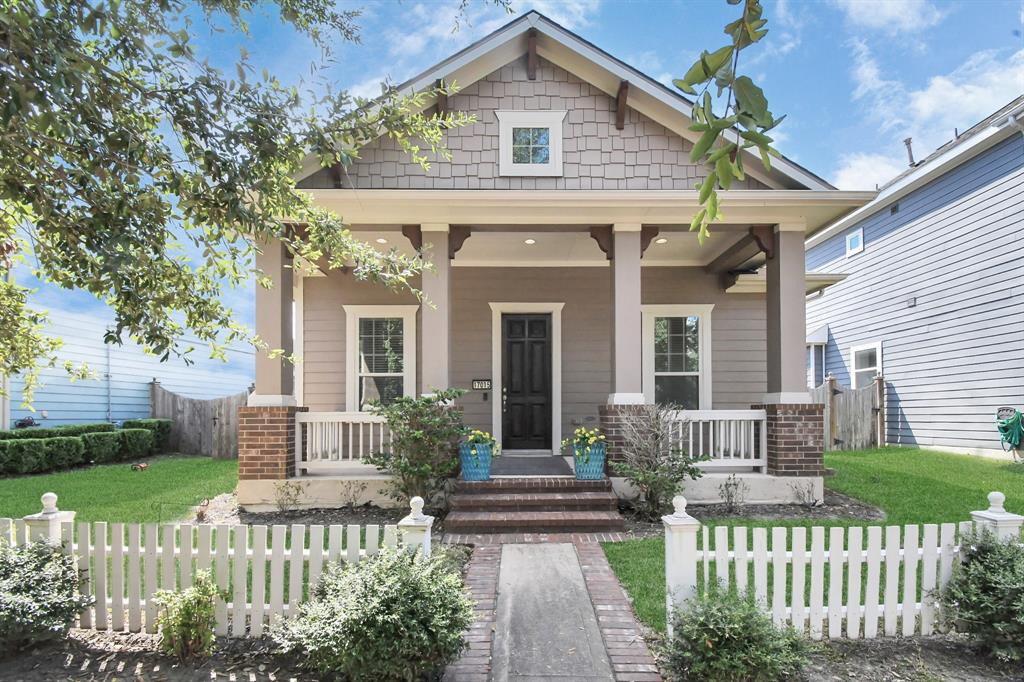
point(102, 447)
point(64, 452)
point(82, 429)
point(726, 637)
point(25, 456)
point(394, 616)
point(422, 453)
point(161, 429)
point(187, 618)
point(136, 443)
point(33, 432)
point(985, 595)
point(38, 600)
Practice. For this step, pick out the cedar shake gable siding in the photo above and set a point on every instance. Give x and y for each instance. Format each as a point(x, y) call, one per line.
point(644, 155)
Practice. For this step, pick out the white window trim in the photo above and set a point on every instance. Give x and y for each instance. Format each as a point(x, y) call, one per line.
point(352, 315)
point(859, 232)
point(701, 311)
point(812, 373)
point(877, 346)
point(555, 310)
point(529, 119)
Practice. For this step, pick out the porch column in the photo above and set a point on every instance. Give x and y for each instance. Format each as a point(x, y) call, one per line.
point(266, 426)
point(627, 384)
point(436, 309)
point(795, 425)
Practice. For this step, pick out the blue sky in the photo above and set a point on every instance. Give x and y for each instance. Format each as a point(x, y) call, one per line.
point(855, 77)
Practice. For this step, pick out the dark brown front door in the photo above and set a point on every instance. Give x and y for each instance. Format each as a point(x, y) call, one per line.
point(526, 382)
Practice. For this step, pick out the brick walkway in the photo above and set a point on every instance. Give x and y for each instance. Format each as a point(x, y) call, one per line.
point(631, 659)
point(487, 539)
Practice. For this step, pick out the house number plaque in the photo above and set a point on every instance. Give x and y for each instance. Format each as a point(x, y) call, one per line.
point(481, 384)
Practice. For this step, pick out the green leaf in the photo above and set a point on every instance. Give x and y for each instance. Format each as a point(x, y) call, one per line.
point(684, 86)
point(707, 187)
point(698, 219)
point(716, 60)
point(723, 169)
point(750, 99)
point(703, 145)
point(767, 162)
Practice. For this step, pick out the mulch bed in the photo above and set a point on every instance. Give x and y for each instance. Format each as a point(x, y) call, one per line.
point(835, 506)
point(917, 659)
point(224, 509)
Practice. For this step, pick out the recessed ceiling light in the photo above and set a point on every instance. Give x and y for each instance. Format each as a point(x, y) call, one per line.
point(381, 240)
point(529, 241)
point(661, 240)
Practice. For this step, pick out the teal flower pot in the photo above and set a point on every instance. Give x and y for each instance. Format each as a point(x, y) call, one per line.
point(589, 465)
point(475, 467)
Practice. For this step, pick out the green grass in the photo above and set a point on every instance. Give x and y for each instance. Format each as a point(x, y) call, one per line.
point(113, 492)
point(912, 486)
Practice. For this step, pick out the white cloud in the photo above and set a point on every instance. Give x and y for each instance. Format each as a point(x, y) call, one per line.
point(985, 82)
point(368, 88)
point(891, 16)
point(865, 171)
point(572, 14)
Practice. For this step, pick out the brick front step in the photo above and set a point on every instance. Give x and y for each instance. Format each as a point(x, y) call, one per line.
point(532, 484)
point(536, 501)
point(533, 521)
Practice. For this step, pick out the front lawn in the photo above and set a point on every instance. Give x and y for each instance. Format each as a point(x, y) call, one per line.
point(165, 491)
point(910, 485)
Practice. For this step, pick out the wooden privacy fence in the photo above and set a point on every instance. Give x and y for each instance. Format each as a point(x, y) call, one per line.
point(199, 427)
point(266, 571)
point(850, 582)
point(854, 417)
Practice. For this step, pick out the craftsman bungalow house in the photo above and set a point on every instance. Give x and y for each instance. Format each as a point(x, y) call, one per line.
point(566, 286)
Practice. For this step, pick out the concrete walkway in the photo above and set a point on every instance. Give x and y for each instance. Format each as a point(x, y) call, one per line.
point(546, 627)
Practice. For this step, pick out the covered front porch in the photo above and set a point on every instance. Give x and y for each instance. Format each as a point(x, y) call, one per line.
point(550, 318)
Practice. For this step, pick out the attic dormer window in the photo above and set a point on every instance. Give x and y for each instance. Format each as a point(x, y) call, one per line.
point(530, 143)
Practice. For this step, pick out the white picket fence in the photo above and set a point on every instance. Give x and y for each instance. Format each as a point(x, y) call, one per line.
point(266, 570)
point(849, 582)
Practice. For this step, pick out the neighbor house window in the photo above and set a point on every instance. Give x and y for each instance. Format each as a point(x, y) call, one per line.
point(380, 354)
point(530, 142)
point(855, 241)
point(677, 355)
point(816, 364)
point(865, 363)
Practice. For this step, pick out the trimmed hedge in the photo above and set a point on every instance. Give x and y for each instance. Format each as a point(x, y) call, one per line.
point(56, 431)
point(24, 455)
point(135, 442)
point(82, 429)
point(161, 429)
point(102, 447)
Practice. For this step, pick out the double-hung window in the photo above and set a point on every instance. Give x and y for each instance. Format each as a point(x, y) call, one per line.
point(677, 355)
point(865, 363)
point(380, 354)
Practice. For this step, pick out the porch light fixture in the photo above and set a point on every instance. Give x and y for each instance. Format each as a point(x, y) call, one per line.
point(530, 241)
point(381, 240)
point(661, 240)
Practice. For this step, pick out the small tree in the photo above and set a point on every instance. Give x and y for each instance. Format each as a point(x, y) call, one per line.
point(425, 435)
point(649, 459)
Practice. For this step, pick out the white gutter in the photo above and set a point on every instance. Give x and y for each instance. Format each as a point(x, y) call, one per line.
point(942, 164)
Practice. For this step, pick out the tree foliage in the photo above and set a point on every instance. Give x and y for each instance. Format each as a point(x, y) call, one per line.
point(746, 116)
point(132, 168)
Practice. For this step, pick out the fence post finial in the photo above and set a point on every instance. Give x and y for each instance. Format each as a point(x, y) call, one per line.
point(416, 527)
point(680, 556)
point(997, 520)
point(46, 524)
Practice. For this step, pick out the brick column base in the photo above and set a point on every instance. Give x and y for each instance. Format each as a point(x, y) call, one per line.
point(610, 419)
point(266, 442)
point(796, 439)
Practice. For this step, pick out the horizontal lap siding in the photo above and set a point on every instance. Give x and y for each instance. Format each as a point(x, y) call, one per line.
point(954, 357)
point(130, 369)
point(738, 333)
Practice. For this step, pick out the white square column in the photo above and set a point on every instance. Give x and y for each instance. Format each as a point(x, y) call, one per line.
point(275, 381)
point(436, 309)
point(787, 314)
point(627, 377)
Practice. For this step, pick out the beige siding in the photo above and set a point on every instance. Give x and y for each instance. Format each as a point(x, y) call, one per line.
point(738, 332)
point(644, 155)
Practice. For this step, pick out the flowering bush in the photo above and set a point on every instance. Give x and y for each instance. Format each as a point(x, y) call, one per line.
point(583, 441)
point(478, 437)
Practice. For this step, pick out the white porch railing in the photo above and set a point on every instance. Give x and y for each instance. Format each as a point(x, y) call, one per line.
point(728, 438)
point(337, 442)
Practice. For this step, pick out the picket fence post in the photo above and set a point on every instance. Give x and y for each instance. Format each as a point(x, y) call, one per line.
point(997, 520)
point(46, 524)
point(416, 527)
point(680, 556)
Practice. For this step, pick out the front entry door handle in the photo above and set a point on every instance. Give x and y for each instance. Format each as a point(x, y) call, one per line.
point(504, 399)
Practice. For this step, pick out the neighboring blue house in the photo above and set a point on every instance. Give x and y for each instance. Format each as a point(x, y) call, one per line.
point(934, 293)
point(120, 389)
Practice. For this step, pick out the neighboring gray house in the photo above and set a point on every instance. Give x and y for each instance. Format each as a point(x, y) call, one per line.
point(933, 297)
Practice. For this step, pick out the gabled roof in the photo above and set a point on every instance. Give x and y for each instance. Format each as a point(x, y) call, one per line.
point(595, 66)
point(985, 134)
